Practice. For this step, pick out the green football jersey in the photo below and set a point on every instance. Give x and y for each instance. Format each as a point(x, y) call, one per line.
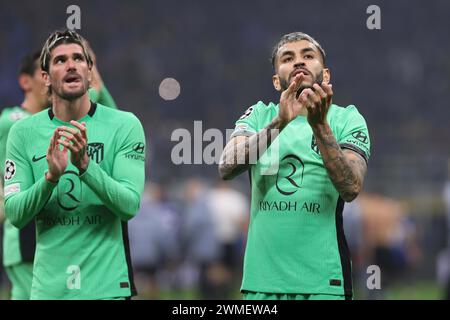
point(296, 241)
point(82, 249)
point(19, 246)
point(8, 117)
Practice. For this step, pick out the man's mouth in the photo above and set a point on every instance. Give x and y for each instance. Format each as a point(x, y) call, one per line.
point(298, 71)
point(72, 79)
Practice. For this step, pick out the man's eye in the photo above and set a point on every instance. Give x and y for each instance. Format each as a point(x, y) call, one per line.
point(287, 59)
point(309, 56)
point(59, 61)
point(78, 59)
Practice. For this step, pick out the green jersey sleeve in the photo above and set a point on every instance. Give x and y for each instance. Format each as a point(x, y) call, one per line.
point(5, 126)
point(248, 123)
point(354, 134)
point(103, 97)
point(121, 191)
point(24, 198)
point(8, 117)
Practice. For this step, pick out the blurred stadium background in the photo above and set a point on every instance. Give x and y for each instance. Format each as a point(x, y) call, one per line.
point(188, 241)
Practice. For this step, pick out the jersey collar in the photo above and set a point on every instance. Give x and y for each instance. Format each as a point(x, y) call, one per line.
point(90, 113)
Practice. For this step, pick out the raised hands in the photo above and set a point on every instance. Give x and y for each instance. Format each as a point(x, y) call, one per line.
point(56, 158)
point(75, 141)
point(317, 102)
point(290, 105)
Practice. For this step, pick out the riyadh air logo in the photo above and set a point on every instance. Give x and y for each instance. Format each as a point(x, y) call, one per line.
point(360, 136)
point(96, 151)
point(290, 175)
point(69, 191)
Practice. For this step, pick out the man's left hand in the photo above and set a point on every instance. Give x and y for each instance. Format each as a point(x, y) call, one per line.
point(318, 101)
point(76, 142)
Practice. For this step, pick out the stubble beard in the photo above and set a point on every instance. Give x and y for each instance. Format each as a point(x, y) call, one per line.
point(71, 96)
point(316, 79)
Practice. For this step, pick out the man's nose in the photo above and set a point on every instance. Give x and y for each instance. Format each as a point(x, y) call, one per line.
point(299, 62)
point(70, 64)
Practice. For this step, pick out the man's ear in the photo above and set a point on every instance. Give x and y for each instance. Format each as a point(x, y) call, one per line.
point(46, 78)
point(90, 75)
point(326, 75)
point(276, 82)
point(25, 82)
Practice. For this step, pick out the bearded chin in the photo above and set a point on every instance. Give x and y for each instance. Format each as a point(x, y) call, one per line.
point(70, 96)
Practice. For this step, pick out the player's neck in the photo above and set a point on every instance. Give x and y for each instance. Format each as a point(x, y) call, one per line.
point(31, 104)
point(66, 110)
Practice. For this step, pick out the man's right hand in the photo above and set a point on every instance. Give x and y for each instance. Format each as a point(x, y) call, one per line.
point(56, 159)
point(291, 105)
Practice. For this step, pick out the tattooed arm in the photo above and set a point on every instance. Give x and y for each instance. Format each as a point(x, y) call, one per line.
point(241, 151)
point(346, 168)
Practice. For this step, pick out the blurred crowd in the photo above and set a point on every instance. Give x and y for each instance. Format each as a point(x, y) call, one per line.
point(192, 243)
point(188, 242)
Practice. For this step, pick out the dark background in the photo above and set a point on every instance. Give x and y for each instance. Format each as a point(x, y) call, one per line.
point(219, 51)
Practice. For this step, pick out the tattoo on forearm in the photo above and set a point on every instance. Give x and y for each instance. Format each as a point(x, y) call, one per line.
point(346, 173)
point(237, 157)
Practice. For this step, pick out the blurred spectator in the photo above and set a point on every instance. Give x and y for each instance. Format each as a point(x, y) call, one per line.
point(214, 227)
point(230, 216)
point(201, 245)
point(353, 229)
point(154, 241)
point(390, 240)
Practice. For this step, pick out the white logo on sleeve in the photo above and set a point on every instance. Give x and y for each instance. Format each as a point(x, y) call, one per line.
point(247, 113)
point(13, 188)
point(14, 116)
point(10, 169)
point(74, 280)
